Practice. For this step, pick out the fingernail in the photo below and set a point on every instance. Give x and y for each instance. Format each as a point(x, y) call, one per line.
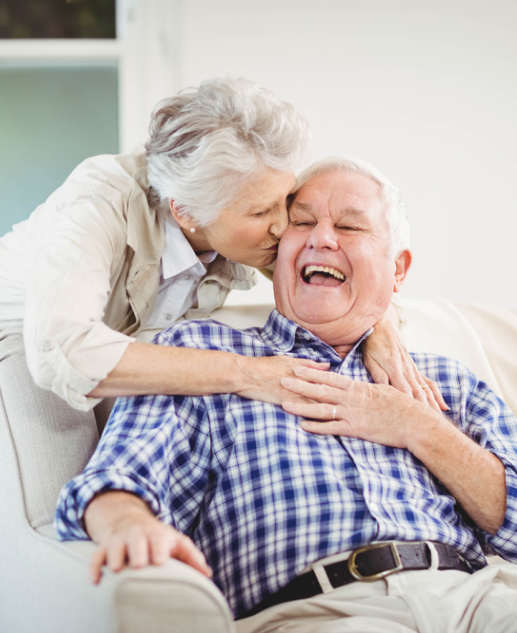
point(201, 558)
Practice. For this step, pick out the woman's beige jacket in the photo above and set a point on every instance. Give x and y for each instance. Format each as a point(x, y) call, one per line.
point(81, 275)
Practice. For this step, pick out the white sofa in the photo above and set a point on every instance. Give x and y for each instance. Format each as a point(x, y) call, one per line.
point(44, 584)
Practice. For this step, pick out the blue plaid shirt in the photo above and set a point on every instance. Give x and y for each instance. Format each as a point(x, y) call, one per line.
point(261, 497)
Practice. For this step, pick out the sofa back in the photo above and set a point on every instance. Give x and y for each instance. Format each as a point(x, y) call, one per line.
point(49, 442)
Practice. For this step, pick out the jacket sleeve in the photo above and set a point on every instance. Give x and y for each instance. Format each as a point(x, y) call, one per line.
point(69, 348)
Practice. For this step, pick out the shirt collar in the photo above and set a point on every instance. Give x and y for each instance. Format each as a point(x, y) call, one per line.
point(282, 333)
point(178, 255)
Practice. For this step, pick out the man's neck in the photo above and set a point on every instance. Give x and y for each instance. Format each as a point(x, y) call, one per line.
point(343, 350)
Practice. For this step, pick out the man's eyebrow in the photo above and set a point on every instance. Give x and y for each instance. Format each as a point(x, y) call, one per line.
point(348, 212)
point(303, 206)
point(353, 212)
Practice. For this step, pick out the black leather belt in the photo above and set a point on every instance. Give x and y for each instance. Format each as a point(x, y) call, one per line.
point(368, 564)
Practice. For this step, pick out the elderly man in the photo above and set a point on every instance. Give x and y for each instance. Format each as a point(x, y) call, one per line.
point(296, 506)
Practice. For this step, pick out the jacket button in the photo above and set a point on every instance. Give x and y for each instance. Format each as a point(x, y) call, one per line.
point(46, 345)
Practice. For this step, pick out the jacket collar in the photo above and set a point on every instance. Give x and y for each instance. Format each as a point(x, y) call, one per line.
point(146, 238)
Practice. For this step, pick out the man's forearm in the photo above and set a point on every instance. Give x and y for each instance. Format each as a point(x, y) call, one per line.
point(474, 476)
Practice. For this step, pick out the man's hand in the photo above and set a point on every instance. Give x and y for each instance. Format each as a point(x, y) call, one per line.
point(381, 414)
point(129, 534)
point(336, 405)
point(261, 377)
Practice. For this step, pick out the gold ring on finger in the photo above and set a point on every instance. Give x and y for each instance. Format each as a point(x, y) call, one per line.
point(424, 386)
point(334, 413)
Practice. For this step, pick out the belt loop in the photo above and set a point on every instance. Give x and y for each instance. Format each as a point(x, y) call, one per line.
point(435, 558)
point(321, 574)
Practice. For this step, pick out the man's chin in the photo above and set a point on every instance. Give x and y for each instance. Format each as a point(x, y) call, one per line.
point(313, 315)
point(322, 304)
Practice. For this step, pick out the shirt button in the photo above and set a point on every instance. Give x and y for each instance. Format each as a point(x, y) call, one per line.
point(46, 345)
point(168, 317)
point(307, 336)
point(188, 277)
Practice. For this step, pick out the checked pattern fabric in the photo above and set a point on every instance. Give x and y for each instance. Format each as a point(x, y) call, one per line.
point(261, 497)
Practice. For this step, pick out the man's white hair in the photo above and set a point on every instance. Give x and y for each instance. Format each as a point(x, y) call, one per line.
point(395, 210)
point(205, 142)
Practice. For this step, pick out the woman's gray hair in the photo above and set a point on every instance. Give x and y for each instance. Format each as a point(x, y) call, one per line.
point(395, 210)
point(205, 142)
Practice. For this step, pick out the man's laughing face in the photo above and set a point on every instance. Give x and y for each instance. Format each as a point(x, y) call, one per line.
point(334, 274)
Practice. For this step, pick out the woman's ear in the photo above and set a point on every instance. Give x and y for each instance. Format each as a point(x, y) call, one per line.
point(402, 264)
point(184, 220)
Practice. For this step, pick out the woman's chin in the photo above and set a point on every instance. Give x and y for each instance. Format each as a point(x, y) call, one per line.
point(261, 261)
point(270, 259)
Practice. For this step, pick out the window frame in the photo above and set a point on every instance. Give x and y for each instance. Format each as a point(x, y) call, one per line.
point(143, 52)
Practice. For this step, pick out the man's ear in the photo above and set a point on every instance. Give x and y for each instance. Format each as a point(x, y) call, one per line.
point(402, 264)
point(184, 220)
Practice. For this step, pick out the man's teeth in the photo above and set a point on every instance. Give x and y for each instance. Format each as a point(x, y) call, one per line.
point(310, 270)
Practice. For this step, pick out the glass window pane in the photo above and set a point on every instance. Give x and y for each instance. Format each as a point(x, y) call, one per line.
point(33, 19)
point(50, 120)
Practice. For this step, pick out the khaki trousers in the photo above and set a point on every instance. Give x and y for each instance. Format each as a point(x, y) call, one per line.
point(422, 601)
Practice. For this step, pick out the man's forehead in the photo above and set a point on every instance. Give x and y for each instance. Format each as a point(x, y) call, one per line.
point(348, 211)
point(346, 193)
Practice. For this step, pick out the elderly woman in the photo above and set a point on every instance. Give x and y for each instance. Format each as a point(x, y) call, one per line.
point(134, 242)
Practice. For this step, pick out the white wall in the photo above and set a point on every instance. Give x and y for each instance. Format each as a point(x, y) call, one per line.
point(426, 90)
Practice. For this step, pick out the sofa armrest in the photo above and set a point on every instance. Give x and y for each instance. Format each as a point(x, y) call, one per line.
point(172, 598)
point(45, 587)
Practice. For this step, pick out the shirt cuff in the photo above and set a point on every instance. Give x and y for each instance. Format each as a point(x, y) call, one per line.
point(503, 541)
point(80, 491)
point(73, 376)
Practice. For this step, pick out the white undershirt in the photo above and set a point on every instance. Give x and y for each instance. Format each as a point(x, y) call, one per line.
point(181, 272)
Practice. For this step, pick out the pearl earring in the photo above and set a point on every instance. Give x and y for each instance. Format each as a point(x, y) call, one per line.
point(192, 229)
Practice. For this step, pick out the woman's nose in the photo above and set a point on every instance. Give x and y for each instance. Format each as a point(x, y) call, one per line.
point(323, 236)
point(279, 224)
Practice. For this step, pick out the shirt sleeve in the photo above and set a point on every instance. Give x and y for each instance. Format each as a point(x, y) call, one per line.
point(69, 348)
point(493, 426)
point(156, 447)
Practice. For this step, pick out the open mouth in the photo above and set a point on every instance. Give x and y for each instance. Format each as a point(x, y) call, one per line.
point(322, 275)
